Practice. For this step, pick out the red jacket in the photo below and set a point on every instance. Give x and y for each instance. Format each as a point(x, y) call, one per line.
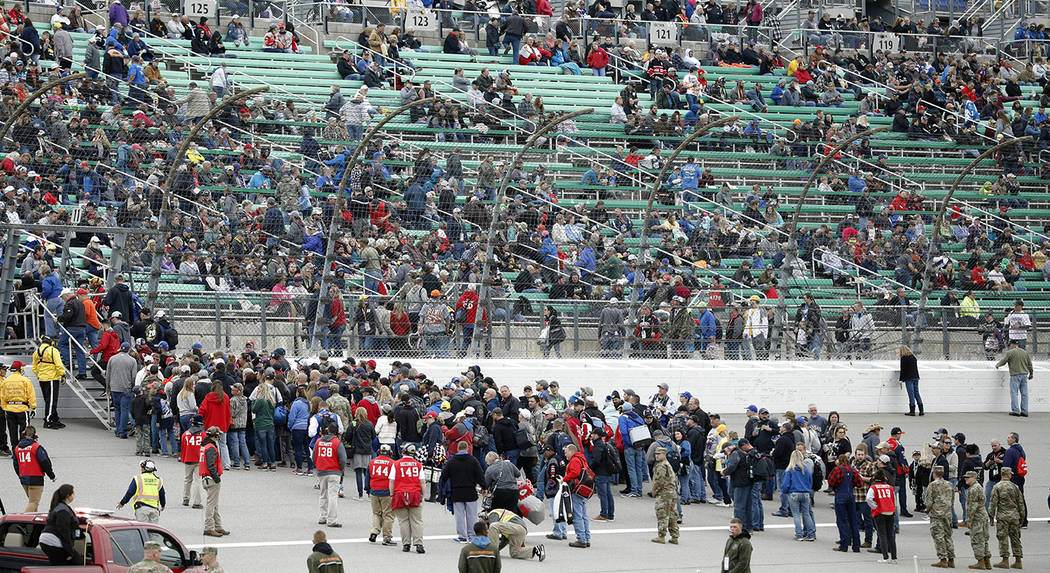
point(468, 301)
point(337, 314)
point(598, 58)
point(577, 463)
point(108, 345)
point(216, 413)
point(371, 409)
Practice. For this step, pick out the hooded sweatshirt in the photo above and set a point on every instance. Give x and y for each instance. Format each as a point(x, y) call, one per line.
point(324, 559)
point(479, 556)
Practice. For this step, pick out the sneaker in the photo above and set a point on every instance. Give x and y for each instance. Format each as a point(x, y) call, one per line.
point(309, 473)
point(810, 539)
point(890, 561)
point(599, 518)
point(419, 549)
point(320, 522)
point(636, 495)
point(197, 506)
point(539, 553)
point(297, 472)
point(579, 544)
point(372, 537)
point(555, 537)
point(406, 548)
point(459, 540)
point(335, 525)
point(727, 504)
point(388, 542)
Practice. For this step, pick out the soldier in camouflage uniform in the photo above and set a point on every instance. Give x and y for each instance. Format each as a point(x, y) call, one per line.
point(939, 497)
point(977, 521)
point(150, 560)
point(209, 558)
point(665, 491)
point(1007, 505)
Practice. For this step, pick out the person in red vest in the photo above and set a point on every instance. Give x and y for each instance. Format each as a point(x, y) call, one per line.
point(32, 464)
point(329, 459)
point(883, 506)
point(210, 470)
point(382, 514)
point(190, 456)
point(406, 487)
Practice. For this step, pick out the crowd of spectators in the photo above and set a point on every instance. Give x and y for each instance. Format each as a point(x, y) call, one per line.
point(248, 219)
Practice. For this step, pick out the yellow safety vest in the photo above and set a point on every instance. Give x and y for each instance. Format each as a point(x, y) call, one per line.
point(147, 489)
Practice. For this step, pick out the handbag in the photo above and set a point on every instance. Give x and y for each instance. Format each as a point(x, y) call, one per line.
point(544, 336)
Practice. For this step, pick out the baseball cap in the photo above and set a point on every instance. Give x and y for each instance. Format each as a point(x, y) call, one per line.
point(883, 445)
point(960, 436)
point(896, 430)
point(752, 408)
point(686, 395)
point(884, 459)
point(125, 346)
point(663, 386)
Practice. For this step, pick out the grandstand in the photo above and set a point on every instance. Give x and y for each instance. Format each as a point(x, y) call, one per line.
point(698, 235)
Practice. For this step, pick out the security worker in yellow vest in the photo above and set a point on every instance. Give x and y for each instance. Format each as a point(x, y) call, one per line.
point(147, 491)
point(49, 370)
point(17, 401)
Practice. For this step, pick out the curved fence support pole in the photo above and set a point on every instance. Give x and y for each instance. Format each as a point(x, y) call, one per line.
point(485, 294)
point(643, 252)
point(22, 107)
point(161, 241)
point(938, 224)
point(337, 213)
point(791, 251)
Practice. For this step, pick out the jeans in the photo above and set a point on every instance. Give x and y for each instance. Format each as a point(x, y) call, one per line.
point(603, 487)
point(696, 483)
point(988, 485)
point(784, 503)
point(239, 448)
point(847, 520)
point(436, 345)
point(955, 483)
point(718, 485)
point(264, 442)
point(224, 449)
point(581, 523)
point(121, 412)
point(355, 132)
point(758, 521)
point(166, 435)
point(887, 539)
point(333, 340)
point(54, 307)
point(79, 333)
point(468, 337)
point(742, 505)
point(559, 526)
point(372, 279)
point(515, 44)
point(92, 336)
point(815, 344)
point(637, 469)
point(1018, 387)
point(802, 510)
point(913, 393)
point(300, 439)
point(867, 521)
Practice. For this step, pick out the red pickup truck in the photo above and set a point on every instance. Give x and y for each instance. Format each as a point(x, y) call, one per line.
point(109, 544)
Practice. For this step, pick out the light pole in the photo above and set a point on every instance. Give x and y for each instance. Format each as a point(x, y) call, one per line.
point(485, 296)
point(791, 251)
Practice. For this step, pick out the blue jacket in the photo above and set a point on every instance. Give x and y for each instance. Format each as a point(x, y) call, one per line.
point(629, 420)
point(708, 325)
point(299, 415)
point(774, 95)
point(587, 262)
point(797, 481)
point(1011, 459)
point(856, 184)
point(50, 287)
point(590, 178)
point(549, 251)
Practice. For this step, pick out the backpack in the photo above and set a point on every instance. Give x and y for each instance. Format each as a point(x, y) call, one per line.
point(1022, 467)
point(761, 466)
point(612, 459)
point(171, 336)
point(325, 421)
point(583, 485)
point(523, 439)
point(818, 474)
point(461, 315)
point(674, 456)
point(280, 416)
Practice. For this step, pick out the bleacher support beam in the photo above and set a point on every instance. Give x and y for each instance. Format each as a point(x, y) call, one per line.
point(643, 252)
point(485, 293)
point(938, 222)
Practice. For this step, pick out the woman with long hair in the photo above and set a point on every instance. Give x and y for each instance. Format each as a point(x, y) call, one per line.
point(186, 402)
point(909, 377)
point(216, 412)
point(798, 485)
point(263, 407)
point(923, 471)
point(359, 448)
point(56, 541)
point(401, 326)
point(298, 423)
point(386, 427)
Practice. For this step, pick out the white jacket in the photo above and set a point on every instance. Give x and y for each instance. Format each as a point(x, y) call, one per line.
point(757, 323)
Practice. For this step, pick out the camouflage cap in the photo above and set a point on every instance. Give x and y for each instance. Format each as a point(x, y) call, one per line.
point(210, 551)
point(970, 474)
point(661, 450)
point(151, 545)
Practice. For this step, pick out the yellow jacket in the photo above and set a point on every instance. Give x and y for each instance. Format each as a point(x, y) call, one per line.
point(16, 394)
point(47, 363)
point(969, 308)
